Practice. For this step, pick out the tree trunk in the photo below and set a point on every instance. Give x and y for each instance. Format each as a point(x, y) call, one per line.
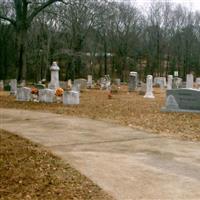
point(21, 57)
point(105, 58)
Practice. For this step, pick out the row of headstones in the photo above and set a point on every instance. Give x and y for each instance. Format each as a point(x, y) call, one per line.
point(48, 96)
point(82, 84)
point(171, 83)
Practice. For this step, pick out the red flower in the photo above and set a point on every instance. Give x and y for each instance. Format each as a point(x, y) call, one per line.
point(34, 90)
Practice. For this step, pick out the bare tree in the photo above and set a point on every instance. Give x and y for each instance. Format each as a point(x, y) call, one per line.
point(24, 12)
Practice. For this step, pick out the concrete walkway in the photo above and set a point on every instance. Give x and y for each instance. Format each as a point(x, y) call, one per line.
point(127, 164)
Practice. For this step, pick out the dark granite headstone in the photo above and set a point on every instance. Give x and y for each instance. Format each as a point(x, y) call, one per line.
point(185, 100)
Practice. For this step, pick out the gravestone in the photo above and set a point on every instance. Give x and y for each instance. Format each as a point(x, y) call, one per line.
point(169, 82)
point(63, 84)
point(176, 83)
point(183, 84)
point(176, 73)
point(189, 81)
point(165, 81)
point(142, 89)
point(69, 84)
point(23, 94)
point(47, 95)
point(89, 81)
point(76, 87)
point(149, 86)
point(102, 83)
point(54, 76)
point(182, 100)
point(198, 82)
point(161, 81)
point(117, 82)
point(13, 86)
point(105, 82)
point(23, 83)
point(71, 98)
point(81, 82)
point(1, 85)
point(132, 83)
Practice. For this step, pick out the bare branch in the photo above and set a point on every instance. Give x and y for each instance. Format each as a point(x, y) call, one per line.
point(9, 20)
point(40, 8)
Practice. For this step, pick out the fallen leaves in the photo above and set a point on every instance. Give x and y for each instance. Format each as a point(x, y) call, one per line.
point(124, 108)
point(28, 172)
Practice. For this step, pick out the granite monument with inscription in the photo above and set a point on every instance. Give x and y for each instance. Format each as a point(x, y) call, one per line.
point(182, 100)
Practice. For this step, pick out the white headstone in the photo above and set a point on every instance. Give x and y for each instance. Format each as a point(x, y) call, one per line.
point(23, 94)
point(165, 82)
point(81, 82)
point(161, 81)
point(117, 81)
point(1, 85)
point(176, 73)
point(149, 91)
point(13, 86)
point(105, 82)
point(89, 81)
point(169, 82)
point(47, 95)
point(189, 81)
point(71, 98)
point(54, 76)
point(76, 87)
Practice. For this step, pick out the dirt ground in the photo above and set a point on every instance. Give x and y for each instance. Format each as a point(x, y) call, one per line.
point(27, 171)
point(125, 108)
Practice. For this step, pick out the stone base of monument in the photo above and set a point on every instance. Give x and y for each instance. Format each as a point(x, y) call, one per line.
point(182, 100)
point(149, 95)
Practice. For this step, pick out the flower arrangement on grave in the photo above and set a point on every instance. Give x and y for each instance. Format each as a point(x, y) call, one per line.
point(59, 92)
point(34, 91)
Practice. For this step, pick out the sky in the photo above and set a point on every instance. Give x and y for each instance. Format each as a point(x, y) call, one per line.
point(194, 4)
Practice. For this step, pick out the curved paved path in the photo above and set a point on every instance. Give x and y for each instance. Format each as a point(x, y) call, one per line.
point(126, 163)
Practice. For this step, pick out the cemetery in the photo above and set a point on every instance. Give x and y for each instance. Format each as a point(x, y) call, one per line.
point(99, 100)
point(154, 110)
point(167, 108)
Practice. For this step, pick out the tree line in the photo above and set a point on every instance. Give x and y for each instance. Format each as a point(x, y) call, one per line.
point(97, 37)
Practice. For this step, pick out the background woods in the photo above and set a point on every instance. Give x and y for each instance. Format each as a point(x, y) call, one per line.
point(96, 37)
